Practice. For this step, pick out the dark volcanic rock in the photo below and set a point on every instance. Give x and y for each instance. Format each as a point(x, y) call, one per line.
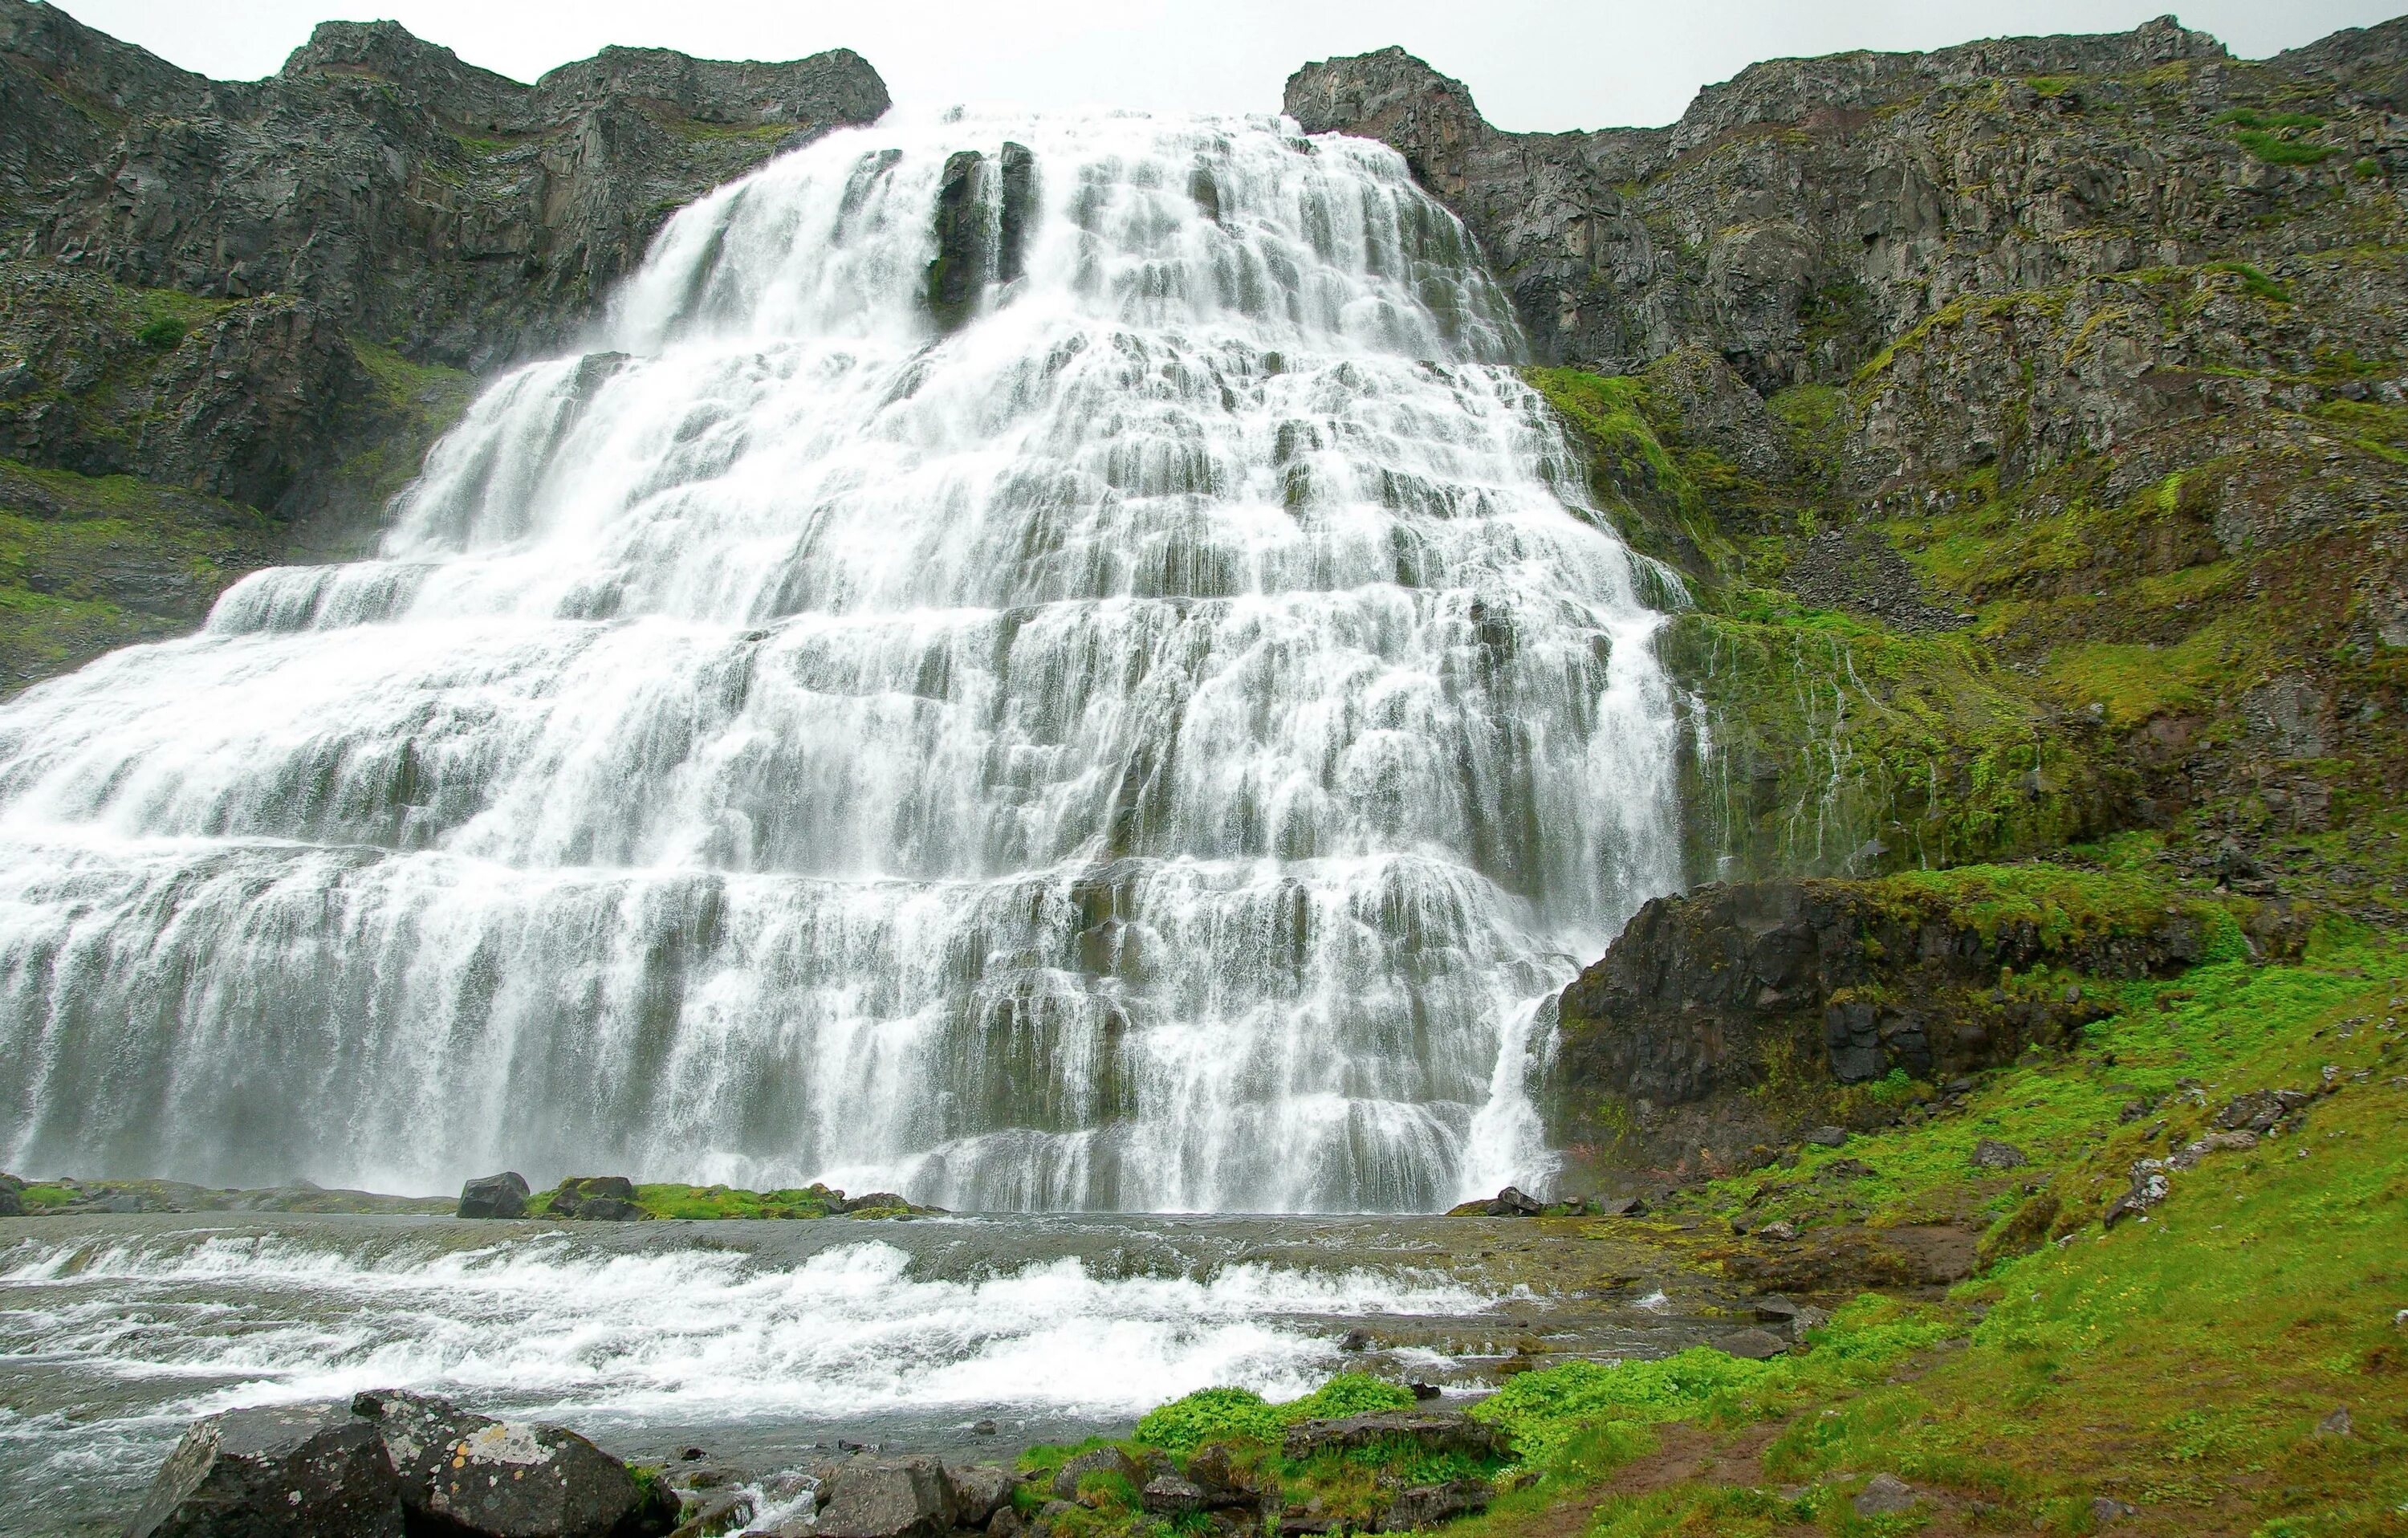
point(1802, 211)
point(495, 1196)
point(1703, 995)
point(1422, 1507)
point(12, 1196)
point(467, 1473)
point(597, 1199)
point(1508, 1203)
point(980, 1492)
point(465, 214)
point(306, 1470)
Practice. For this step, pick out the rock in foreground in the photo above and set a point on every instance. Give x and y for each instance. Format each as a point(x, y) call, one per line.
point(389, 1462)
point(309, 1470)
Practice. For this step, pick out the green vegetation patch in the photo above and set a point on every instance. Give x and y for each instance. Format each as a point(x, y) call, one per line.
point(2275, 149)
point(1826, 737)
point(89, 562)
point(1241, 1415)
point(2187, 1364)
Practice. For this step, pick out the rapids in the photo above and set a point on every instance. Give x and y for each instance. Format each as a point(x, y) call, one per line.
point(1138, 718)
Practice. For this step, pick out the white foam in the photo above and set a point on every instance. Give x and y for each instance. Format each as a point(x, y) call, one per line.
point(696, 1333)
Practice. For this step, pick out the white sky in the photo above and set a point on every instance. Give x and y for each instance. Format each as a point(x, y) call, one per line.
point(1530, 64)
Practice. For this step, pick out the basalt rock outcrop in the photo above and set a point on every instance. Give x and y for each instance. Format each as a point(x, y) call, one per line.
point(442, 209)
point(272, 295)
point(1731, 1018)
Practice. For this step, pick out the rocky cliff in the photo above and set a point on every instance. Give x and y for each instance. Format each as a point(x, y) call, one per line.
point(2026, 422)
point(270, 296)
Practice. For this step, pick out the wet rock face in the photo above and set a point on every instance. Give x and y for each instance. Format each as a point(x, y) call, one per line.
point(889, 1498)
point(306, 1470)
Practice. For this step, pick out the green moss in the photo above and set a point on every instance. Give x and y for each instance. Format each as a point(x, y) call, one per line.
point(703, 1203)
point(92, 563)
point(164, 335)
point(2274, 149)
point(2250, 117)
point(1831, 745)
point(1210, 1415)
point(1658, 499)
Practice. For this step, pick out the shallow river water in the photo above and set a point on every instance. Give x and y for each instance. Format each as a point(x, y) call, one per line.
point(756, 1341)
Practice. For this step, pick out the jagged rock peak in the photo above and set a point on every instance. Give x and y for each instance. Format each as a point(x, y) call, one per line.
point(91, 63)
point(837, 85)
point(1392, 96)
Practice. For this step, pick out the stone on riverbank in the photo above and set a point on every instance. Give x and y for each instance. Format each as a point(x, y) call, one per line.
point(507, 1479)
point(888, 1498)
point(389, 1462)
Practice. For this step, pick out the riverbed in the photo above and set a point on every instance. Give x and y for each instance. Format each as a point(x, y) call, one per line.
point(765, 1342)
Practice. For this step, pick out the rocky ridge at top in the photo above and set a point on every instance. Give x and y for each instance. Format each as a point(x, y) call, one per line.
point(1803, 212)
point(456, 214)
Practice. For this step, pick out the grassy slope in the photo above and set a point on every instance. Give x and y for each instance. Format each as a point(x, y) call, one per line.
point(2179, 1365)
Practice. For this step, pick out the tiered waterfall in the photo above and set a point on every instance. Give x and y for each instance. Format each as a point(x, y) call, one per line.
point(1036, 662)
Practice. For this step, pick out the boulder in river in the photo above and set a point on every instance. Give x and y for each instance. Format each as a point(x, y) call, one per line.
point(467, 1473)
point(12, 1196)
point(287, 1471)
point(504, 1195)
point(597, 1199)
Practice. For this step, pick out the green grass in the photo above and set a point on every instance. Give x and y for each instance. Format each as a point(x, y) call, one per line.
point(1241, 1415)
point(2250, 117)
point(2274, 149)
point(2180, 1364)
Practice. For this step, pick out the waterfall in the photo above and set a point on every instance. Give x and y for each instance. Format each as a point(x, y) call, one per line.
point(1037, 662)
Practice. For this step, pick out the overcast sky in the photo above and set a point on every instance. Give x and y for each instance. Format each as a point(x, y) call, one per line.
point(1530, 64)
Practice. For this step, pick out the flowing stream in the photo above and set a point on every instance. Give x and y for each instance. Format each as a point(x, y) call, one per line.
point(763, 1343)
point(1043, 664)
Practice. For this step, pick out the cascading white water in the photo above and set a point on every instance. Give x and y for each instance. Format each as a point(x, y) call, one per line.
point(1147, 744)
